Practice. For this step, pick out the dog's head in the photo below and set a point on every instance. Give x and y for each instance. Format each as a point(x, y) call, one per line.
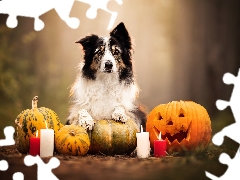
point(108, 54)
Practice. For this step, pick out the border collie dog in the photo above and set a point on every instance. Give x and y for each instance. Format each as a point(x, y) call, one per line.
point(105, 88)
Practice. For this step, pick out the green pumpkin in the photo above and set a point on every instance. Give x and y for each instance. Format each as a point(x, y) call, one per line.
point(113, 138)
point(30, 120)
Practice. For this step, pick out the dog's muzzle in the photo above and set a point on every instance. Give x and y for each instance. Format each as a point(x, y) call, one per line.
point(108, 66)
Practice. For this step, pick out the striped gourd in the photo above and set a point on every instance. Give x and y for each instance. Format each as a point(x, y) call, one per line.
point(31, 120)
point(72, 140)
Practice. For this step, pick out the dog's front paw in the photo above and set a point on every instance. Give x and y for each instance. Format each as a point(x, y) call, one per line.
point(119, 114)
point(85, 120)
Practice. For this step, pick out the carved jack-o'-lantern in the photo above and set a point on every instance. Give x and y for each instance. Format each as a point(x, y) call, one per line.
point(185, 125)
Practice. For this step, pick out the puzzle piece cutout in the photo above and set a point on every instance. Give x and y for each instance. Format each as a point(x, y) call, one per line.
point(36, 8)
point(18, 176)
point(44, 170)
point(100, 4)
point(3, 165)
point(8, 132)
point(235, 98)
point(233, 167)
point(231, 131)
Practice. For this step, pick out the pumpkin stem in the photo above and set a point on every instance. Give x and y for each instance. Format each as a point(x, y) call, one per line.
point(34, 102)
point(17, 123)
point(72, 133)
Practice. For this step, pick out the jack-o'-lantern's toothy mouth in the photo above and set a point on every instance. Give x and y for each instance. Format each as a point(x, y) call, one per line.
point(179, 136)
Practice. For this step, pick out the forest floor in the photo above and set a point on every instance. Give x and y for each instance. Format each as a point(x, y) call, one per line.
point(90, 167)
point(129, 167)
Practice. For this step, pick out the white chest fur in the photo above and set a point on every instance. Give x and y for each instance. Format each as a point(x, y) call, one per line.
point(102, 96)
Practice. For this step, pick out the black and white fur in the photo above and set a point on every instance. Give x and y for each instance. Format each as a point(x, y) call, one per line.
point(105, 87)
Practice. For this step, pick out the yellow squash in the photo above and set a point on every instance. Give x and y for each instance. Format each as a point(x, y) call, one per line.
point(72, 140)
point(31, 120)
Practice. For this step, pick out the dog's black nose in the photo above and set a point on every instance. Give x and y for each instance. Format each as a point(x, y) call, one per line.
point(108, 65)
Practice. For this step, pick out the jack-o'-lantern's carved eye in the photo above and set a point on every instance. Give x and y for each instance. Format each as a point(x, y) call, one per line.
point(185, 126)
point(159, 116)
point(182, 113)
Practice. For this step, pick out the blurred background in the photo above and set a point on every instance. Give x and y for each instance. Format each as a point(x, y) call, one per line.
point(182, 50)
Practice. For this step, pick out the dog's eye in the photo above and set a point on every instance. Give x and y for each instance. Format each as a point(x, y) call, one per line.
point(116, 52)
point(100, 53)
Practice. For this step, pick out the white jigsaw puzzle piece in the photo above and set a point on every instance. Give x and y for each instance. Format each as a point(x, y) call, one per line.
point(8, 132)
point(36, 8)
point(221, 104)
point(232, 131)
point(18, 176)
point(3, 165)
point(44, 170)
point(234, 101)
point(100, 4)
point(233, 167)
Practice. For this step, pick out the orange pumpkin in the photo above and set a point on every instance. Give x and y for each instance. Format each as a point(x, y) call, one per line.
point(73, 140)
point(185, 125)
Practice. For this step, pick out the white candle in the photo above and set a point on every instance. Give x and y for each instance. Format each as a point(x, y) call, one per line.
point(46, 142)
point(143, 144)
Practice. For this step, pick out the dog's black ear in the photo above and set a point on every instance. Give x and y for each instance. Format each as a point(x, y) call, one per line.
point(88, 42)
point(121, 34)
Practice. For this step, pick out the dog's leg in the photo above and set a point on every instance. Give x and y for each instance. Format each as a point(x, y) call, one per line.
point(82, 118)
point(119, 114)
point(85, 120)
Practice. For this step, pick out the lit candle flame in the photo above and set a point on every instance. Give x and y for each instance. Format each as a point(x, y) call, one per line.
point(37, 133)
point(159, 136)
point(46, 125)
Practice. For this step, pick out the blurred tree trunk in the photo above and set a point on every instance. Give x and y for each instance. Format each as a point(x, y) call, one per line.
point(207, 35)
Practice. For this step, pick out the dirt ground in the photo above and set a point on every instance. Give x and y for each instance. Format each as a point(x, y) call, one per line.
point(90, 167)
